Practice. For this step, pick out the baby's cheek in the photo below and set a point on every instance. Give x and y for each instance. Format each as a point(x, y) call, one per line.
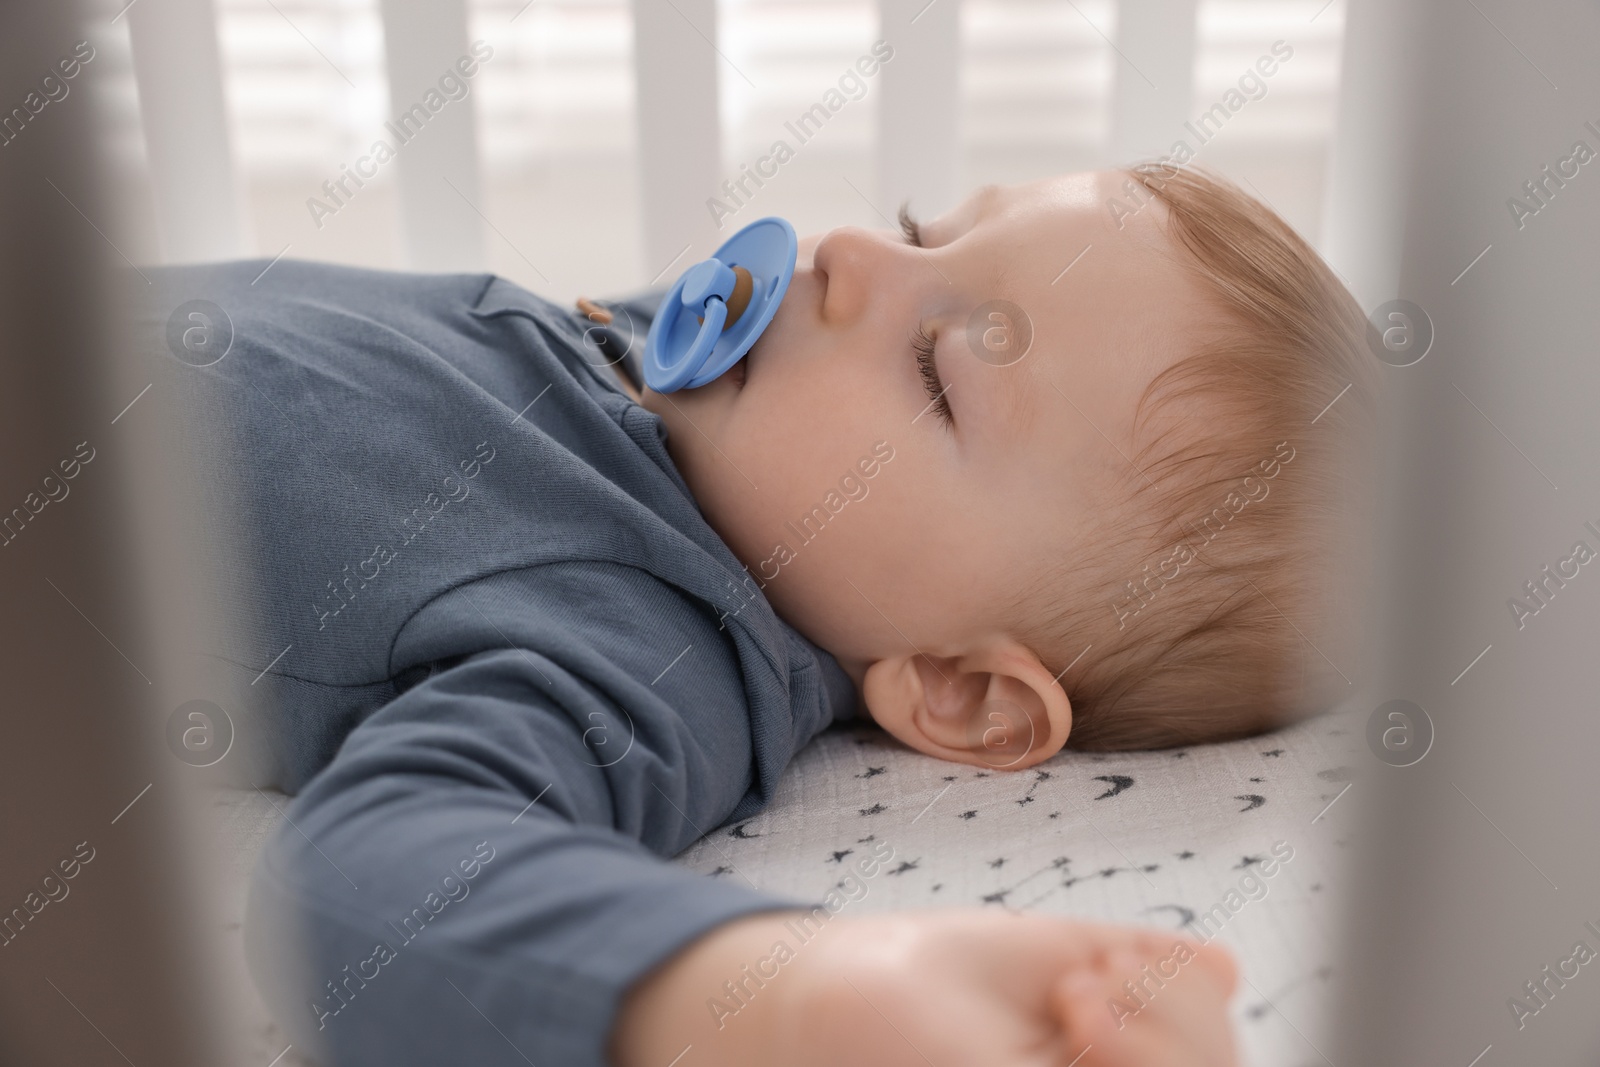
point(807, 248)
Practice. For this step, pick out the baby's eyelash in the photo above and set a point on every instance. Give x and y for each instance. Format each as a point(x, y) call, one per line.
point(922, 344)
point(909, 227)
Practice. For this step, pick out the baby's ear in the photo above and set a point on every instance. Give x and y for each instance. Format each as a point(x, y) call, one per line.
point(995, 707)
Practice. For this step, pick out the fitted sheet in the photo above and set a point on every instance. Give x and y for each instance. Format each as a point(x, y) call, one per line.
point(1154, 838)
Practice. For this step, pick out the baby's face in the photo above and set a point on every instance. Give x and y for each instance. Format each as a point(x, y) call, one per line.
point(922, 528)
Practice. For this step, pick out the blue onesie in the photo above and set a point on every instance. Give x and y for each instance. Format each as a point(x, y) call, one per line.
point(515, 667)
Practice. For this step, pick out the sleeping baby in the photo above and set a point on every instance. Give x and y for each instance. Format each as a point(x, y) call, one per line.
point(1056, 467)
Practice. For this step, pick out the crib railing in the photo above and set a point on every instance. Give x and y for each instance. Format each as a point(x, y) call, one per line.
point(678, 69)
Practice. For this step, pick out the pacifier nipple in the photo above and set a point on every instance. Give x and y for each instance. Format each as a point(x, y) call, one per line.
point(713, 278)
point(732, 297)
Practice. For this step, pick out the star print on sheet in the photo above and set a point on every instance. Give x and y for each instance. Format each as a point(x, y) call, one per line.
point(1156, 839)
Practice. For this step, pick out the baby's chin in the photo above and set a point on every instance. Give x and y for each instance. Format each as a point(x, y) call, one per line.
point(698, 423)
point(701, 412)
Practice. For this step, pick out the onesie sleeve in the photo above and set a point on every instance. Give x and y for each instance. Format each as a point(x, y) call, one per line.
point(475, 880)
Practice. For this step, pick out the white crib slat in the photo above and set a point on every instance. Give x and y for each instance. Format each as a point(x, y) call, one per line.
point(1363, 209)
point(178, 68)
point(919, 106)
point(1154, 80)
point(440, 193)
point(675, 72)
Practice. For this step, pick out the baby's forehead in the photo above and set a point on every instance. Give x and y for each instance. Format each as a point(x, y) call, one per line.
point(1095, 286)
point(1081, 244)
point(1113, 302)
point(1102, 203)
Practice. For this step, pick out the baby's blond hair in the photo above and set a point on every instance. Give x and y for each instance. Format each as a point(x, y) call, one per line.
point(1215, 607)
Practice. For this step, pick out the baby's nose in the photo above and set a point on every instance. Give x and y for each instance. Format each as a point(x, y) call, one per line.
point(855, 261)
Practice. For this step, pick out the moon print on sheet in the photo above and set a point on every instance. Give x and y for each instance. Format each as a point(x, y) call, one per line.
point(1117, 782)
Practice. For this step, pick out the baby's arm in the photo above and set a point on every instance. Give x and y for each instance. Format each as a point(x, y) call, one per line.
point(969, 988)
point(472, 878)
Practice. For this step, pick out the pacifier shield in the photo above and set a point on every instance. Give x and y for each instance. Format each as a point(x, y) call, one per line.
point(717, 308)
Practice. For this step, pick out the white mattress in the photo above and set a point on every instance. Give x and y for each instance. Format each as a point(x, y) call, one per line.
point(1151, 838)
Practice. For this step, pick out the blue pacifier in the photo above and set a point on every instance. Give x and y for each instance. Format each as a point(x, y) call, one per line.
point(715, 311)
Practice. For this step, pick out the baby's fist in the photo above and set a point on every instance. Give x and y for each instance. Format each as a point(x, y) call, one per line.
point(1151, 1001)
